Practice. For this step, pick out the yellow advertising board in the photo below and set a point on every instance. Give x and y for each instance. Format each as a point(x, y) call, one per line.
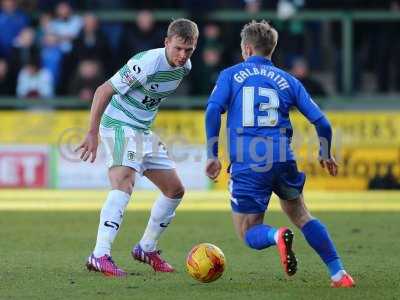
point(366, 143)
point(54, 127)
point(372, 129)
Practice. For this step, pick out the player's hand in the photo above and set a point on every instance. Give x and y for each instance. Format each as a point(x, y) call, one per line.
point(89, 147)
point(213, 168)
point(330, 164)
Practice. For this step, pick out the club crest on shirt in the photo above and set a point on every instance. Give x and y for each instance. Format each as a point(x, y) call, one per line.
point(131, 155)
point(127, 76)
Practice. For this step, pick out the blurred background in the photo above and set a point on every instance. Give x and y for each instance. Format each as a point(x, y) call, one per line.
point(53, 55)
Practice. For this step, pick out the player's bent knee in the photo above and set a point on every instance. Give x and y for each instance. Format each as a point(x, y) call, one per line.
point(242, 235)
point(176, 192)
point(122, 184)
point(244, 231)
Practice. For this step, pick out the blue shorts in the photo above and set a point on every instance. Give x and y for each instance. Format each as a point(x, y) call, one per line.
point(251, 190)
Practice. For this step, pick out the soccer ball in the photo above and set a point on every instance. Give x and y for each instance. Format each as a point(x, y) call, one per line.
point(205, 262)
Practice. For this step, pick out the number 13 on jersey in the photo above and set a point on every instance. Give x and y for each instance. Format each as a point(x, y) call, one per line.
point(270, 106)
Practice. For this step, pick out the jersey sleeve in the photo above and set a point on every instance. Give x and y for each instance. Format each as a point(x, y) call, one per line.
point(305, 104)
point(132, 75)
point(222, 91)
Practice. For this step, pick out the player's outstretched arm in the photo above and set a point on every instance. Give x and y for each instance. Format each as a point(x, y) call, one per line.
point(326, 159)
point(213, 125)
point(314, 114)
point(216, 105)
point(101, 99)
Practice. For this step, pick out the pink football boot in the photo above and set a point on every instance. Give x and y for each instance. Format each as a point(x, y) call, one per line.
point(105, 265)
point(152, 258)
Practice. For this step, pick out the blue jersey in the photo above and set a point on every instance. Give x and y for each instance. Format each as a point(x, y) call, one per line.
point(258, 97)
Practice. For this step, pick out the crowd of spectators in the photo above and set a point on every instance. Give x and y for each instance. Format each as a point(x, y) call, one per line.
point(47, 49)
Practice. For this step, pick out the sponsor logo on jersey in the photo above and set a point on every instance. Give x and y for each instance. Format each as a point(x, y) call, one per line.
point(151, 103)
point(154, 86)
point(137, 69)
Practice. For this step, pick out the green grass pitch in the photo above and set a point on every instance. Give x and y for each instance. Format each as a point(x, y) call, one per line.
point(43, 253)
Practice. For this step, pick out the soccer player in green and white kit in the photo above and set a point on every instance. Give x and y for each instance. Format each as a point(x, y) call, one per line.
point(122, 112)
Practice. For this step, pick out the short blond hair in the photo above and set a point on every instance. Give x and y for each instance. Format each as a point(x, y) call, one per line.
point(185, 29)
point(261, 35)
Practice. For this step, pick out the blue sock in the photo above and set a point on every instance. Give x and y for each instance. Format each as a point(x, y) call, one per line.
point(318, 238)
point(260, 236)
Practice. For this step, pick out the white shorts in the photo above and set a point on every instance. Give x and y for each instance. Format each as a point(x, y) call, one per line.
point(135, 149)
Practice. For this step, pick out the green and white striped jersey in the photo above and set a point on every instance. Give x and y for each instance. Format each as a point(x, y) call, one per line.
point(140, 86)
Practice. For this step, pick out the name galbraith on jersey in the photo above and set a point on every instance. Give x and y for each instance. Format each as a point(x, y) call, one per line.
point(246, 72)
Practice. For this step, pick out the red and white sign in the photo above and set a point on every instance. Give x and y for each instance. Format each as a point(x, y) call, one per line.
point(23, 167)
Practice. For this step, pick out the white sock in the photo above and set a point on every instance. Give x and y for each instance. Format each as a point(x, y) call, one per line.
point(162, 213)
point(110, 221)
point(338, 275)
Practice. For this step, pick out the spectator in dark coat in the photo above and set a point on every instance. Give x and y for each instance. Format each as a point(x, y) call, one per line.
point(145, 36)
point(301, 72)
point(23, 50)
point(88, 77)
point(91, 44)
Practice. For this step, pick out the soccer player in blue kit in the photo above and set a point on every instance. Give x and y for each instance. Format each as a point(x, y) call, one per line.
point(258, 96)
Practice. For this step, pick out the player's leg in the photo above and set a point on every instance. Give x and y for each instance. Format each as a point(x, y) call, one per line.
point(161, 215)
point(289, 187)
point(111, 215)
point(259, 236)
point(159, 169)
point(318, 238)
point(250, 193)
point(163, 210)
point(251, 229)
point(121, 176)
